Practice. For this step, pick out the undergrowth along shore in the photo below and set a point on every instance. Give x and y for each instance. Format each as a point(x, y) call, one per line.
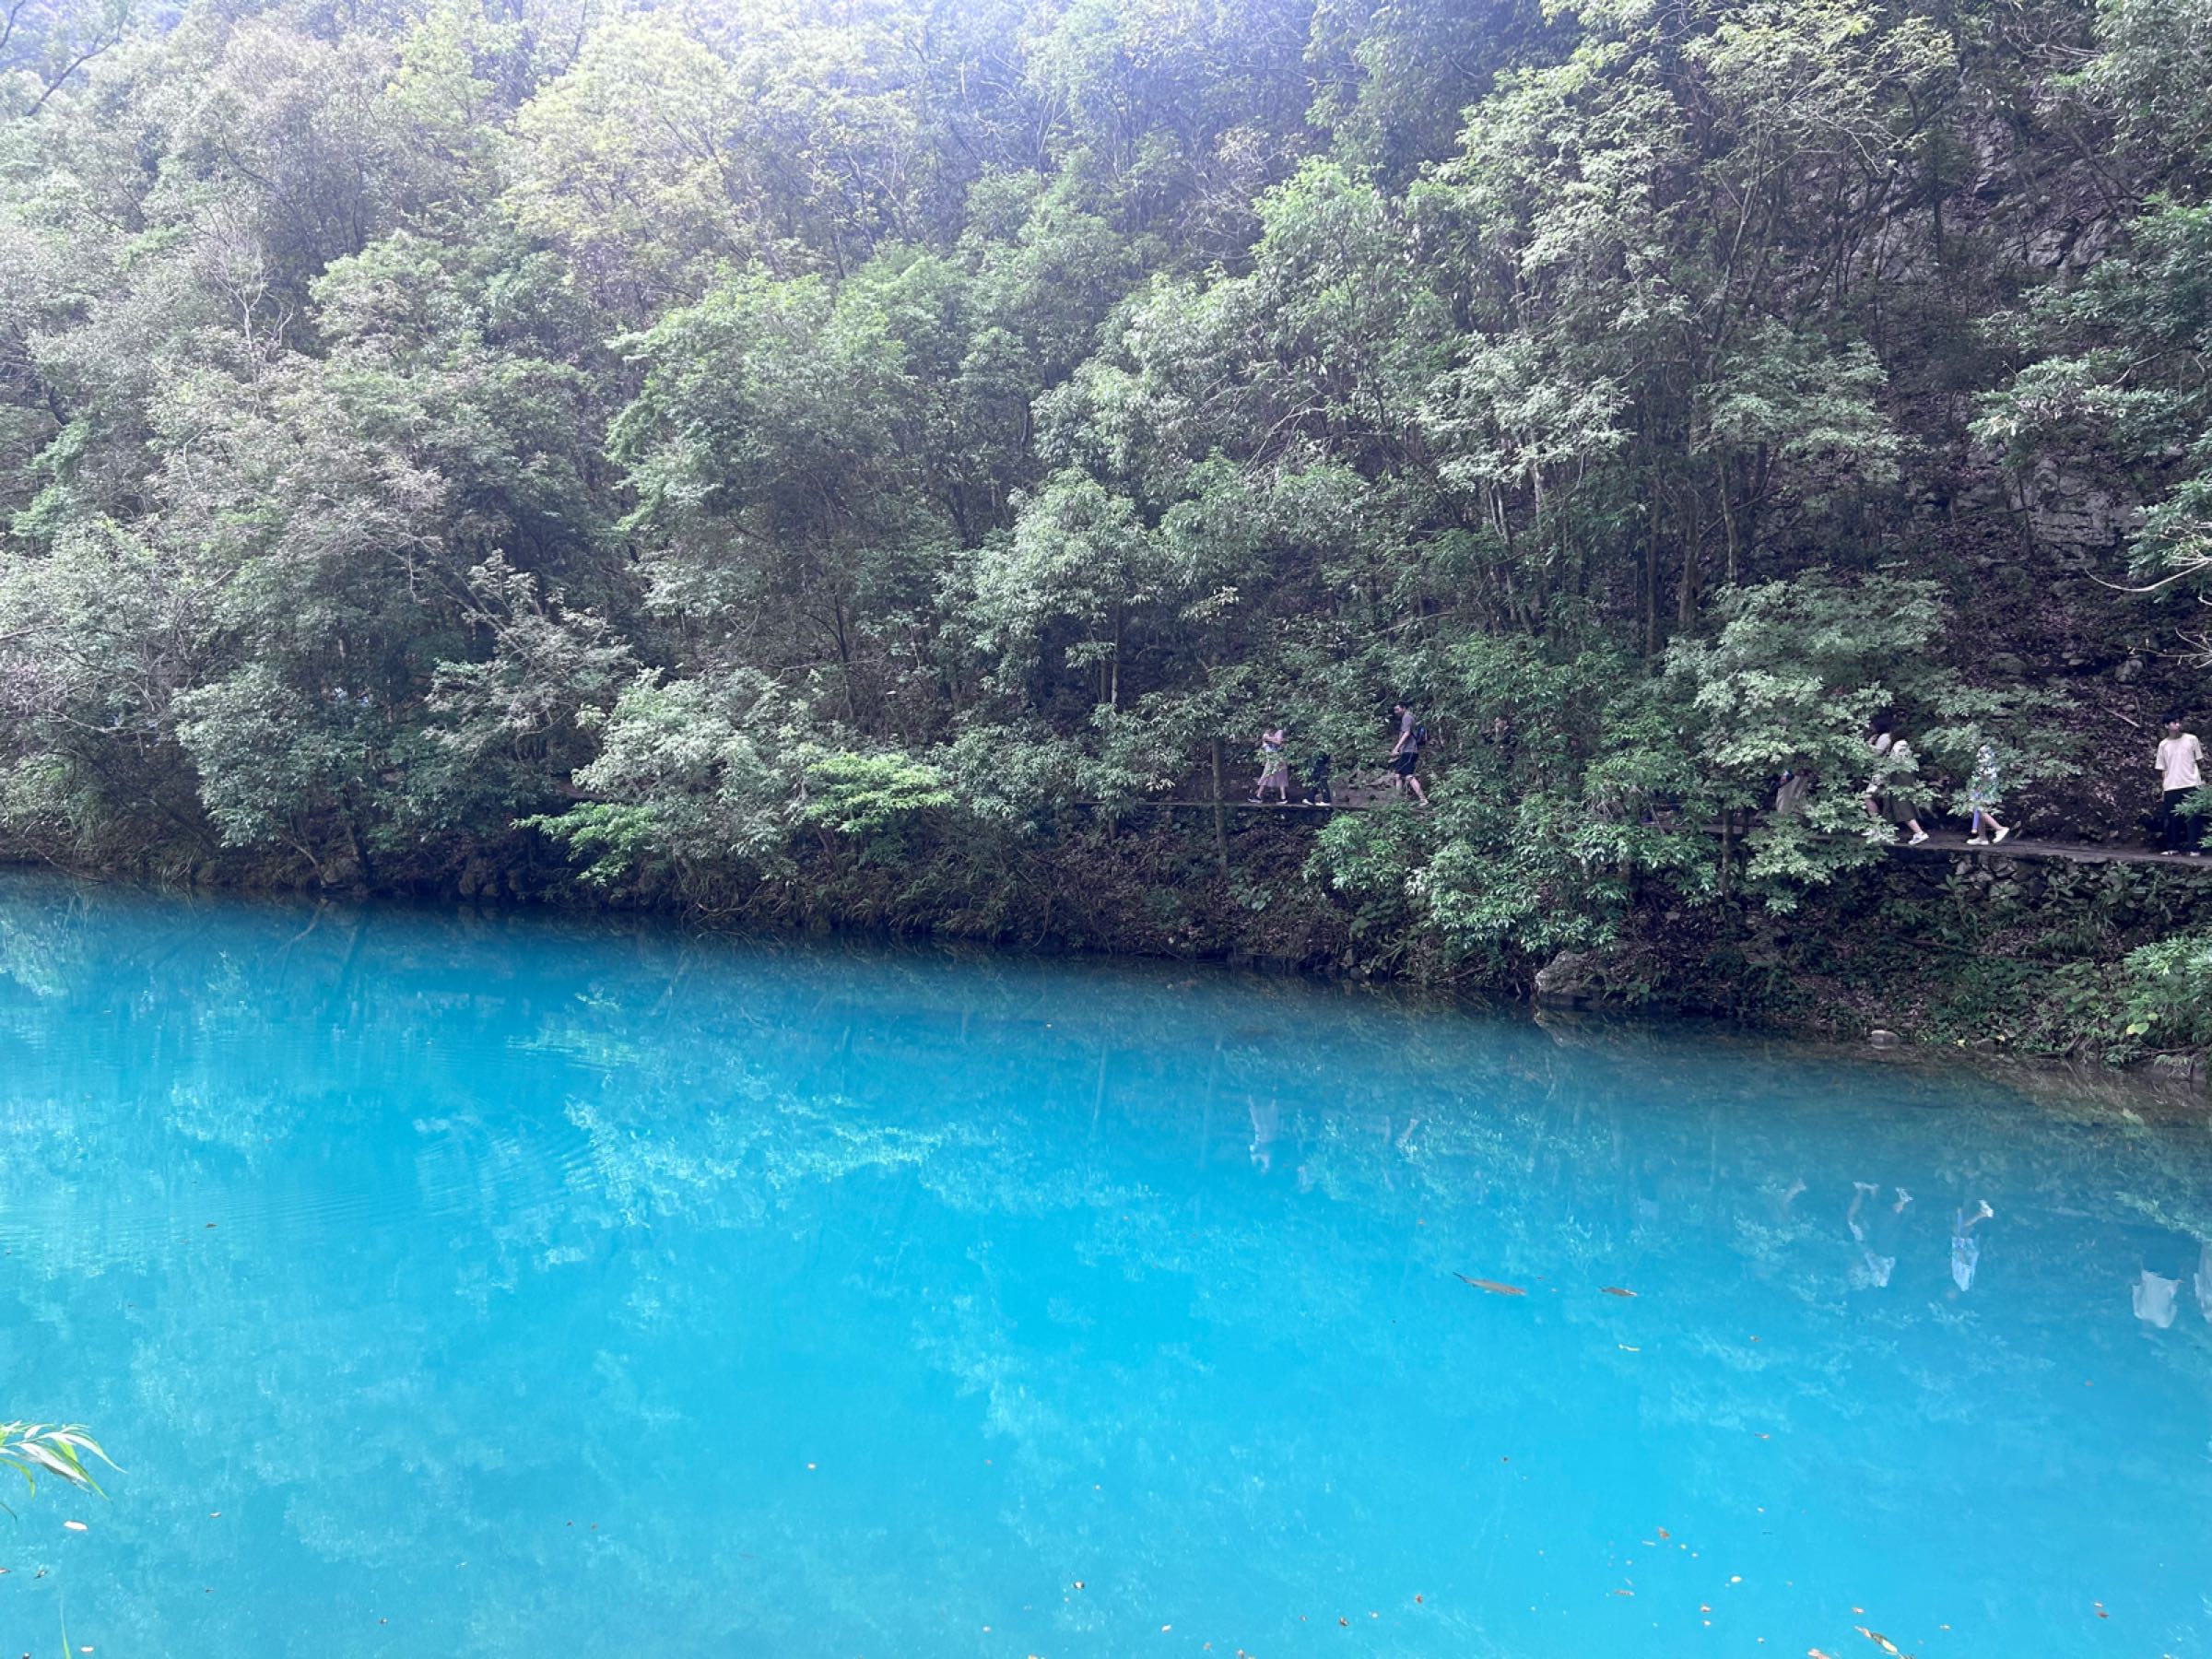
point(2104, 963)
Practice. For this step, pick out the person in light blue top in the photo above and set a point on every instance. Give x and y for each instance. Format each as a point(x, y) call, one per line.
point(1981, 796)
point(1274, 768)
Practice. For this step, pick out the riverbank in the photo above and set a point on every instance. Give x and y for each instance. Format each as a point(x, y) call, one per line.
point(1959, 949)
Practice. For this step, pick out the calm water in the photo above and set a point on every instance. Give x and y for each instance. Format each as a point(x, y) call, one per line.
point(512, 1287)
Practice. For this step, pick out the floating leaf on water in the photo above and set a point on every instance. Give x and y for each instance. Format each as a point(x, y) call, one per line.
point(73, 1525)
point(1627, 1348)
point(1492, 1285)
point(1880, 1640)
point(1616, 1291)
point(1665, 1533)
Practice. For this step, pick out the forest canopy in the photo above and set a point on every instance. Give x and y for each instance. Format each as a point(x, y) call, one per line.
point(683, 436)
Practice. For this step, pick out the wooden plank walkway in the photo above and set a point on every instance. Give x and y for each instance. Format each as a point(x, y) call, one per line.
point(2021, 846)
point(1949, 844)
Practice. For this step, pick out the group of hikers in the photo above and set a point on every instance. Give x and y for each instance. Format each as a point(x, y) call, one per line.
point(1404, 765)
point(2179, 760)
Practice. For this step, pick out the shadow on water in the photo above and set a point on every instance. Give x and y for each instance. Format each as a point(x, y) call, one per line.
point(535, 1283)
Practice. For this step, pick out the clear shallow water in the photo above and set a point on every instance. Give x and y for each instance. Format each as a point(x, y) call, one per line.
point(514, 1287)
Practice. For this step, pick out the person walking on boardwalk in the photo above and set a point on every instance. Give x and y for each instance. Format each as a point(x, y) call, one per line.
point(2181, 762)
point(1879, 739)
point(1794, 789)
point(1406, 754)
point(1274, 770)
point(1982, 794)
point(1892, 753)
point(1317, 791)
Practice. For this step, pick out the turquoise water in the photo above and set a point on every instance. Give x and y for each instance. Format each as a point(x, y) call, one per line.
point(504, 1286)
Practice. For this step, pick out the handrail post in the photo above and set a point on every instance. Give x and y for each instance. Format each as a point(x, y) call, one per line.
point(1220, 815)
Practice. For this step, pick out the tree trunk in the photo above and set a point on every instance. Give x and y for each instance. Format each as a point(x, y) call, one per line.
point(1651, 574)
point(1685, 596)
point(1113, 690)
point(1728, 516)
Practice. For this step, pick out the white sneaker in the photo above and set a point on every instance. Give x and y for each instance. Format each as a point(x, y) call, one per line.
point(1977, 841)
point(1918, 836)
point(2004, 832)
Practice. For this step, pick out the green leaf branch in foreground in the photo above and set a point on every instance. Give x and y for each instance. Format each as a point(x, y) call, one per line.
point(56, 1449)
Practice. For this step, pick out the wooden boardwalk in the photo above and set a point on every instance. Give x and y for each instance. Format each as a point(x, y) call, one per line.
point(1949, 843)
point(2024, 846)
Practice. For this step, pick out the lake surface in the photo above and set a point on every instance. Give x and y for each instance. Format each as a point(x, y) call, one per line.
point(512, 1285)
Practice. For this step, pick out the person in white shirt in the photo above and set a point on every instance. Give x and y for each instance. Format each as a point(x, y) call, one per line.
point(2180, 761)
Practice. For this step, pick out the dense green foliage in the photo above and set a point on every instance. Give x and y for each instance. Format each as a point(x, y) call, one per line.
point(710, 439)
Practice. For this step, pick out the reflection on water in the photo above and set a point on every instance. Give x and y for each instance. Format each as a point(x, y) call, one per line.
point(514, 1287)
